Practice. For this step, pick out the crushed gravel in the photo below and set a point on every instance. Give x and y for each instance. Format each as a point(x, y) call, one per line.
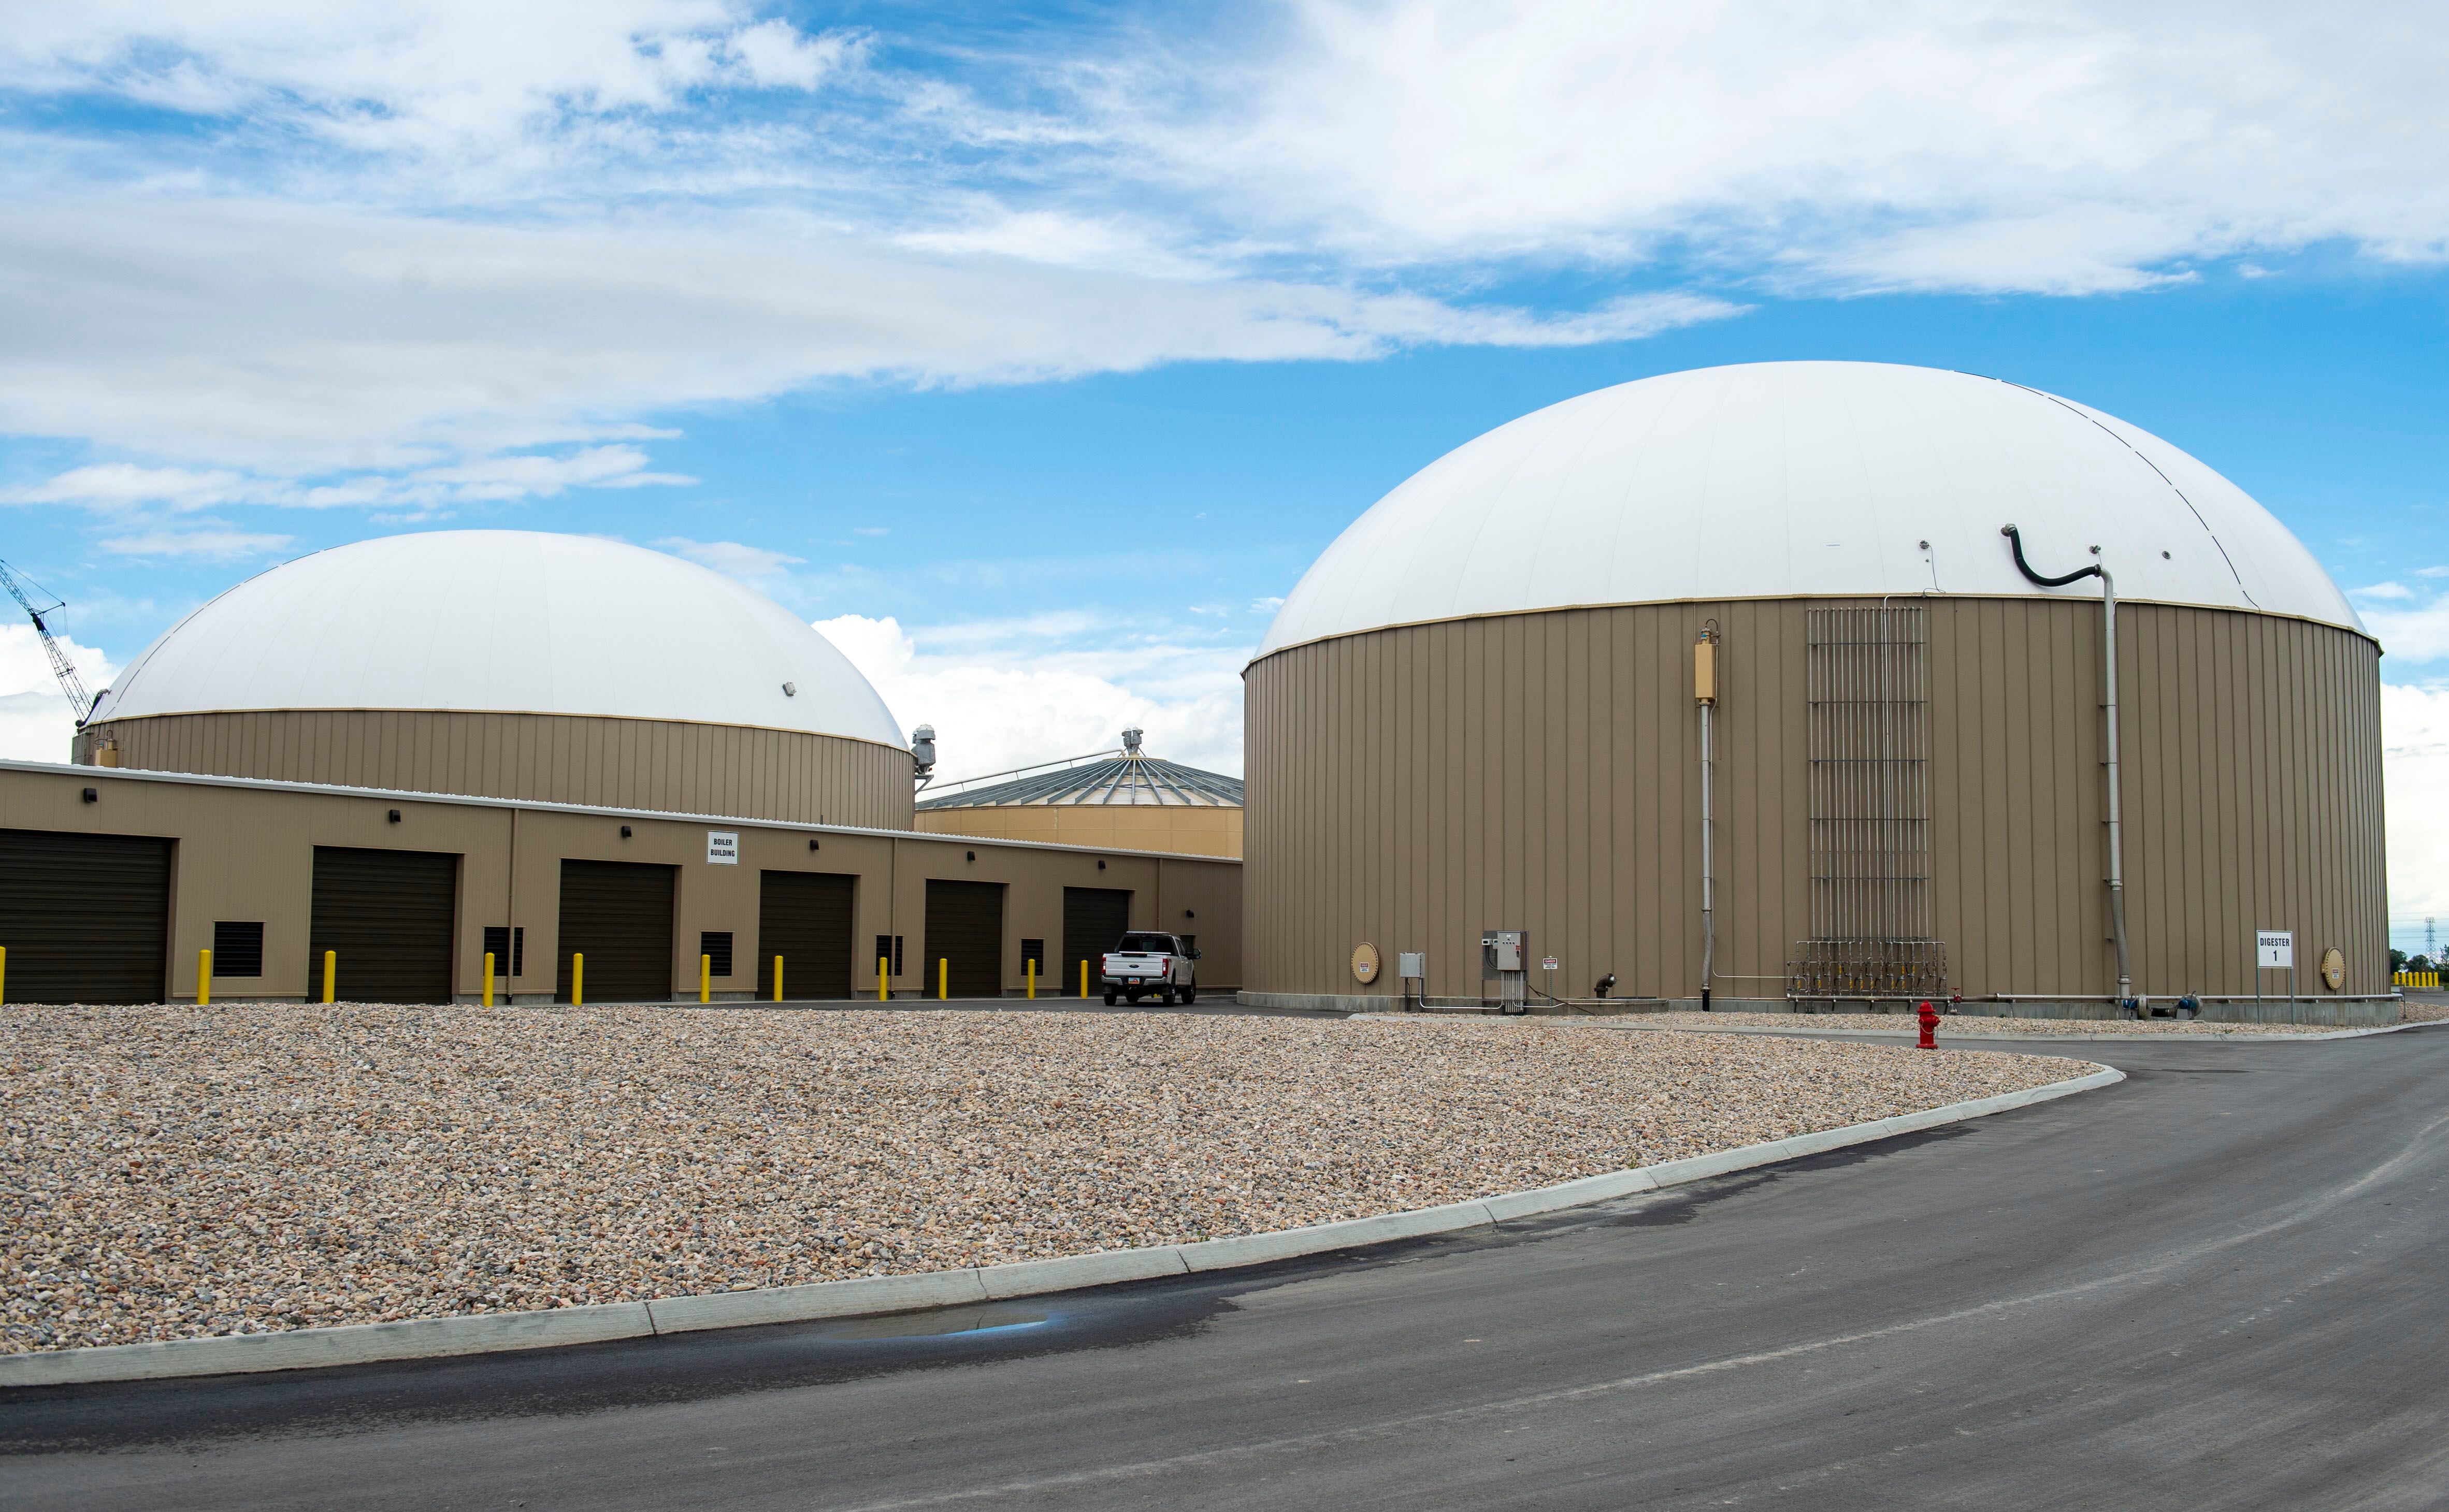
point(171, 1172)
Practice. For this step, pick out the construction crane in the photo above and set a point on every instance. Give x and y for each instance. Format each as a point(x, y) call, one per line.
point(61, 668)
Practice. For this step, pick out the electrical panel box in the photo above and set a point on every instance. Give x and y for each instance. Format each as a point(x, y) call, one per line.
point(1502, 950)
point(1413, 964)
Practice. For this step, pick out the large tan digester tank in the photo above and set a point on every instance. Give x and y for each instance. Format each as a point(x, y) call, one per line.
point(1479, 711)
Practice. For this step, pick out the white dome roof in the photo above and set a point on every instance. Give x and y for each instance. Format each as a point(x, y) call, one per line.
point(503, 620)
point(1787, 479)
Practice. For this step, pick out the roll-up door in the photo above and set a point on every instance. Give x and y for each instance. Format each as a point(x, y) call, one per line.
point(804, 917)
point(619, 915)
point(386, 917)
point(1094, 919)
point(85, 918)
point(965, 926)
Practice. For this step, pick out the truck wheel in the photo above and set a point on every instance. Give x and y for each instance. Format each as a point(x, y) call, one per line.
point(1190, 994)
point(1109, 996)
point(1165, 997)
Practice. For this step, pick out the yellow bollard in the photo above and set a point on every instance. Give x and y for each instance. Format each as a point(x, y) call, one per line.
point(778, 979)
point(1084, 979)
point(4, 973)
point(880, 962)
point(1033, 980)
point(203, 977)
point(705, 979)
point(577, 980)
point(489, 979)
point(943, 976)
point(330, 972)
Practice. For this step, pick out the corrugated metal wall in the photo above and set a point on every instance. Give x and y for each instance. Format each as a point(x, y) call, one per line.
point(1412, 787)
point(733, 769)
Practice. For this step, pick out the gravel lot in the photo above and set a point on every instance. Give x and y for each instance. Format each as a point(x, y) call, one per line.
point(173, 1171)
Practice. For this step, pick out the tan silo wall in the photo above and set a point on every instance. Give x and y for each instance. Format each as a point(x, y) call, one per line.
point(1183, 829)
point(1411, 787)
point(678, 768)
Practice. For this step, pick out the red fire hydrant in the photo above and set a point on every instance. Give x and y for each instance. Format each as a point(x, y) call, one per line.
point(1929, 1017)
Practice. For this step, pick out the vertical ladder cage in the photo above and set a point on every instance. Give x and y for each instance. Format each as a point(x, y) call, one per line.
point(1870, 811)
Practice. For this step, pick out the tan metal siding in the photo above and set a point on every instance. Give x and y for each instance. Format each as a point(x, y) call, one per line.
point(752, 773)
point(1412, 787)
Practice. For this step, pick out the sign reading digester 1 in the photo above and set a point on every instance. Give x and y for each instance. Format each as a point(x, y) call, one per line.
point(723, 848)
point(2274, 949)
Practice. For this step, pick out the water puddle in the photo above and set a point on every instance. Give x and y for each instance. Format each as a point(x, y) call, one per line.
point(985, 1318)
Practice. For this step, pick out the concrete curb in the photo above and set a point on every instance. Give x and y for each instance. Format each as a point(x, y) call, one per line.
point(1906, 1036)
point(311, 1349)
point(482, 1333)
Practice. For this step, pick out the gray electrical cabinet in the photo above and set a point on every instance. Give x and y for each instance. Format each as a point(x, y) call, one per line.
point(1503, 955)
point(1502, 950)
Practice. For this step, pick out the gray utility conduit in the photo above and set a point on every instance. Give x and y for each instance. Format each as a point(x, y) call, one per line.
point(1704, 692)
point(2108, 684)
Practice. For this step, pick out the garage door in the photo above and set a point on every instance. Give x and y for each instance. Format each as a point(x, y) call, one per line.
point(86, 918)
point(965, 926)
point(1094, 919)
point(619, 915)
point(386, 917)
point(804, 917)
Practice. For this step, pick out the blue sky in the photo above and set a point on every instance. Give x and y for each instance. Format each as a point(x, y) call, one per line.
point(1032, 353)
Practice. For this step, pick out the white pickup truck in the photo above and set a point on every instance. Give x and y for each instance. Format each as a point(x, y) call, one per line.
point(1151, 963)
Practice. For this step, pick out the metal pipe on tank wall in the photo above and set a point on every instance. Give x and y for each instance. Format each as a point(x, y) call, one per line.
point(2108, 702)
point(2117, 841)
point(1704, 692)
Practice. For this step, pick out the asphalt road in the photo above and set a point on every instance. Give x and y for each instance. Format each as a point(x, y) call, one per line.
point(2222, 1283)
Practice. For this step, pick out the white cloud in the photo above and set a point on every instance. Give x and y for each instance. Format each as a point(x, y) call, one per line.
point(871, 529)
point(776, 57)
point(533, 477)
point(120, 488)
point(2415, 787)
point(112, 486)
point(289, 337)
point(729, 556)
point(429, 76)
point(1006, 694)
point(2383, 590)
point(1948, 144)
point(35, 721)
point(2071, 146)
point(429, 252)
point(2419, 633)
point(209, 544)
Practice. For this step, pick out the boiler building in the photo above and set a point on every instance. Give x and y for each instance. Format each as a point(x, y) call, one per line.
point(1733, 687)
point(616, 775)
